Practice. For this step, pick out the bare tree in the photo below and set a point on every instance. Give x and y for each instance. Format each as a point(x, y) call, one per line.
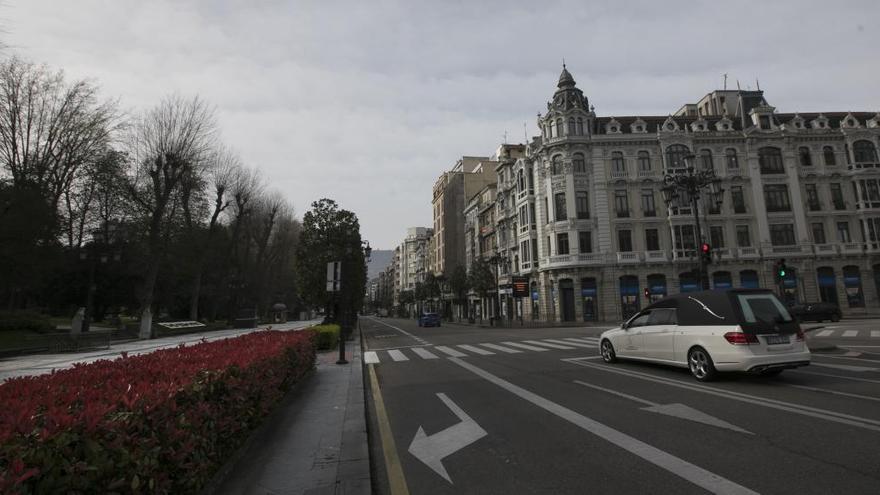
point(168, 143)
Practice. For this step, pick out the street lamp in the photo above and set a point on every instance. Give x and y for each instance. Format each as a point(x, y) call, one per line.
point(97, 251)
point(690, 186)
point(496, 260)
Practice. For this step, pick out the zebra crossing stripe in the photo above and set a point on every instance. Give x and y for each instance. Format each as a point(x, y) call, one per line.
point(545, 344)
point(875, 334)
point(424, 353)
point(824, 333)
point(371, 357)
point(450, 351)
point(526, 347)
point(476, 350)
point(851, 333)
point(500, 348)
point(588, 340)
point(397, 355)
point(576, 344)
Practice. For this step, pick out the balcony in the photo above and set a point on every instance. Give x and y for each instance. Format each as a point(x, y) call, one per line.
point(567, 260)
point(851, 248)
point(862, 166)
point(619, 174)
point(591, 258)
point(867, 205)
point(787, 250)
point(748, 252)
point(629, 257)
point(656, 257)
point(648, 173)
point(825, 249)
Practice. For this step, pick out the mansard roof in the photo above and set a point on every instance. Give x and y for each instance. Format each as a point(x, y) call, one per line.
point(654, 123)
point(565, 79)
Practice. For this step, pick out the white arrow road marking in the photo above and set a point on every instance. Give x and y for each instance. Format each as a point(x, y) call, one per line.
point(432, 449)
point(675, 410)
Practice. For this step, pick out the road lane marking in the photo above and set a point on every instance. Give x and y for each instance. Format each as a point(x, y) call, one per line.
point(875, 334)
point(834, 392)
point(525, 346)
point(476, 350)
point(416, 337)
point(866, 380)
point(397, 355)
point(675, 465)
point(370, 357)
point(845, 367)
point(675, 410)
point(500, 348)
point(432, 449)
point(585, 340)
point(450, 351)
point(576, 344)
point(868, 424)
point(424, 353)
point(396, 479)
point(825, 333)
point(546, 344)
point(851, 333)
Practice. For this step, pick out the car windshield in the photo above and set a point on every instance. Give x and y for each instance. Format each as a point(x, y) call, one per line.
point(763, 308)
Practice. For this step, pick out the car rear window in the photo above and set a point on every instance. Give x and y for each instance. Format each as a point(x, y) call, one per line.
point(762, 308)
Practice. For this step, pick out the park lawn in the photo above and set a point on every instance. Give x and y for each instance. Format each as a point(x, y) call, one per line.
point(15, 339)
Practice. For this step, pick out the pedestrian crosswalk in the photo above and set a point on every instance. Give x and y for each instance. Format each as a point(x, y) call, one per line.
point(848, 334)
point(482, 349)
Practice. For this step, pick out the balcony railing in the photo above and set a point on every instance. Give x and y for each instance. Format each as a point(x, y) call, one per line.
point(851, 248)
point(748, 252)
point(648, 173)
point(591, 258)
point(824, 249)
point(629, 257)
point(787, 250)
point(862, 165)
point(619, 174)
point(656, 256)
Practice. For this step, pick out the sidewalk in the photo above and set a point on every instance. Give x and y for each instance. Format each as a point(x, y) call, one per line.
point(315, 443)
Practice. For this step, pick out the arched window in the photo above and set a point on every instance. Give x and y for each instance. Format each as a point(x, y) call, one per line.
point(688, 282)
point(852, 283)
point(629, 295)
point(580, 166)
point(828, 153)
point(732, 160)
point(558, 127)
point(827, 284)
point(617, 163)
point(675, 156)
point(770, 160)
point(572, 130)
point(520, 181)
point(580, 126)
point(656, 287)
point(556, 165)
point(748, 279)
point(722, 280)
point(864, 152)
point(644, 161)
point(531, 179)
point(706, 160)
point(804, 157)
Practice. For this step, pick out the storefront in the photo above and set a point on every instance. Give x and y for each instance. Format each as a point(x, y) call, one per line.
point(852, 283)
point(688, 282)
point(827, 285)
point(722, 280)
point(589, 303)
point(748, 279)
point(629, 295)
point(656, 287)
point(566, 301)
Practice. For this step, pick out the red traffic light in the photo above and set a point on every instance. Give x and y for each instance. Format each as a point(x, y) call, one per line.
point(705, 248)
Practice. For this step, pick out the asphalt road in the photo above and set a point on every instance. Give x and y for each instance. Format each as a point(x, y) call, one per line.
point(470, 410)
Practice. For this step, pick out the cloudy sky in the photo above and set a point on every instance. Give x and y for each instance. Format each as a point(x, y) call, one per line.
point(368, 102)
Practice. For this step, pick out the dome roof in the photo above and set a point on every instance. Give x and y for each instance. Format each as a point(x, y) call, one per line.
point(565, 79)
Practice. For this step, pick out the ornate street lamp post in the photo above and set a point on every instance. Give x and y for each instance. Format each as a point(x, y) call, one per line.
point(690, 186)
point(98, 250)
point(496, 260)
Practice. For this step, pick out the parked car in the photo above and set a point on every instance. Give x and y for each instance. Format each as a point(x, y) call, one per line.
point(816, 311)
point(429, 320)
point(710, 331)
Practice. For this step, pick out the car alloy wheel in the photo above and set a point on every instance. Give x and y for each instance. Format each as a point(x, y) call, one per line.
point(701, 365)
point(608, 352)
point(835, 317)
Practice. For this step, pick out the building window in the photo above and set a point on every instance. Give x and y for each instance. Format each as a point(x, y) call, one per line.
point(837, 197)
point(530, 176)
point(556, 165)
point(524, 252)
point(624, 241)
point(621, 204)
point(813, 197)
point(764, 121)
point(561, 243)
point(532, 216)
point(644, 161)
point(652, 239)
point(706, 160)
point(870, 189)
point(617, 163)
point(828, 153)
point(864, 152)
point(585, 242)
point(559, 128)
point(804, 157)
point(582, 204)
point(559, 205)
point(843, 232)
point(648, 208)
point(580, 166)
point(782, 235)
point(524, 215)
point(580, 126)
point(730, 156)
point(675, 156)
point(770, 160)
point(818, 233)
point(776, 197)
point(716, 236)
point(737, 199)
point(684, 238)
point(535, 252)
point(852, 283)
point(572, 130)
point(520, 181)
point(743, 239)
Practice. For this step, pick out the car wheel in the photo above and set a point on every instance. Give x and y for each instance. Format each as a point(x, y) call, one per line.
point(607, 351)
point(772, 372)
point(835, 317)
point(701, 365)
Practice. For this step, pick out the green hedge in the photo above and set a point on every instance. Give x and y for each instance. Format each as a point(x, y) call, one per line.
point(326, 336)
point(25, 320)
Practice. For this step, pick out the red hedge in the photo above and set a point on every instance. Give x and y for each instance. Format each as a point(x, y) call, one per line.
point(159, 423)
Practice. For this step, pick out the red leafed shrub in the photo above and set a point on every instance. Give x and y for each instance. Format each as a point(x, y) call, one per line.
point(156, 423)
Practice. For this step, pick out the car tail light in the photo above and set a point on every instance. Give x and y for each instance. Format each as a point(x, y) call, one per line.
point(739, 338)
point(800, 334)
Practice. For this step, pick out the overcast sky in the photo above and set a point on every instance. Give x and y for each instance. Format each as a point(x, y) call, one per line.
point(368, 102)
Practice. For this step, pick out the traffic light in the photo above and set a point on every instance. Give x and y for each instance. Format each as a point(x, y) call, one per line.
point(706, 253)
point(781, 269)
point(647, 293)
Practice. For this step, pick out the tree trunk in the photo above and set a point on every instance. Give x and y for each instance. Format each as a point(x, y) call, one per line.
point(195, 295)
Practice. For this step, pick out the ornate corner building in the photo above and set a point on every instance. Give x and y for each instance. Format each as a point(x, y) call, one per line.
point(589, 227)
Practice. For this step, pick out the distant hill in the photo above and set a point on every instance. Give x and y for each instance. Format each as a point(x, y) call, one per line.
point(379, 259)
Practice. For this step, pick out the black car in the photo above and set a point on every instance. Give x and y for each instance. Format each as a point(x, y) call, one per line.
point(429, 320)
point(816, 311)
